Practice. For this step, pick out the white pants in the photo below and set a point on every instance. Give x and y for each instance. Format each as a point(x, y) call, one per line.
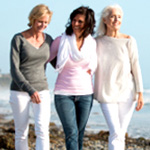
point(118, 116)
point(20, 103)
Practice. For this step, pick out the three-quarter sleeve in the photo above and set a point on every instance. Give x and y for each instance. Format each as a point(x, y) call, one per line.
point(16, 73)
point(135, 66)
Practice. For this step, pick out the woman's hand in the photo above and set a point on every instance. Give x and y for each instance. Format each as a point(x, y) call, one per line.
point(35, 98)
point(89, 71)
point(140, 102)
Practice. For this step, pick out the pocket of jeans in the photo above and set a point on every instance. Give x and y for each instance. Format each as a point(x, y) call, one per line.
point(12, 96)
point(15, 95)
point(59, 99)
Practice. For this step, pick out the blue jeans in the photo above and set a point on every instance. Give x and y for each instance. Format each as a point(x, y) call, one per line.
point(73, 112)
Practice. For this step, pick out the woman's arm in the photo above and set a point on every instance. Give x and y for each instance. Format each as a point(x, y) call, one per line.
point(16, 74)
point(53, 51)
point(140, 102)
point(93, 63)
point(135, 67)
point(136, 71)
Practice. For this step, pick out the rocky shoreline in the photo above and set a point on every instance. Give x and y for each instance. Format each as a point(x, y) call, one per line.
point(92, 141)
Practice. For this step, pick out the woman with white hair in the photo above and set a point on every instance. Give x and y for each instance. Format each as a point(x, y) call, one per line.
point(118, 80)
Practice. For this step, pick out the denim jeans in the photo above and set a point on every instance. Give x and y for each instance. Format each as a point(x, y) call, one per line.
point(73, 112)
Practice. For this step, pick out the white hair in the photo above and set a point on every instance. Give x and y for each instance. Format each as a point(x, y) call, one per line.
point(101, 30)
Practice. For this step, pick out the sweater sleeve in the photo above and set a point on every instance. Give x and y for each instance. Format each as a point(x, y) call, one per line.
point(54, 48)
point(53, 52)
point(93, 63)
point(16, 74)
point(135, 67)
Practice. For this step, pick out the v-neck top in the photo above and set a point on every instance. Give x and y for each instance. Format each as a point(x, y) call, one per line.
point(28, 64)
point(118, 74)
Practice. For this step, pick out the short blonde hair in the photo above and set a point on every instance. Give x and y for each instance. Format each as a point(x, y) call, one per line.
point(38, 12)
point(101, 30)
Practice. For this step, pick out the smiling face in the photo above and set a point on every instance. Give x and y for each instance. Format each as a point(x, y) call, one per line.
point(40, 24)
point(113, 20)
point(78, 24)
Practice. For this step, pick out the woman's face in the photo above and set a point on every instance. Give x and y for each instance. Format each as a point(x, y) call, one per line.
point(113, 20)
point(40, 24)
point(78, 24)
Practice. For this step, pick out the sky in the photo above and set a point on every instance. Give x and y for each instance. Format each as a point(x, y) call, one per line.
point(136, 22)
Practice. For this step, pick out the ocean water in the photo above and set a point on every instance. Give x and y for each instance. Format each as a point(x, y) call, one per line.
point(139, 125)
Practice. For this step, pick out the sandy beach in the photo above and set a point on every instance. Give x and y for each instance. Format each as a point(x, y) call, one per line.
point(92, 141)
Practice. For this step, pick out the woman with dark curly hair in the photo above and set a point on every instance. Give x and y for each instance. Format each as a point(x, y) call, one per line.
point(76, 63)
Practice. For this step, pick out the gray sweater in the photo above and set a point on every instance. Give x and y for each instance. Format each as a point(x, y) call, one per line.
point(28, 64)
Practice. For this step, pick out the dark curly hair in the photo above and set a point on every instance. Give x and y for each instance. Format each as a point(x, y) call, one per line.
point(89, 21)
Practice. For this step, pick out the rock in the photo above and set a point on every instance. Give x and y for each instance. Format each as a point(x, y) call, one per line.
point(7, 141)
point(92, 141)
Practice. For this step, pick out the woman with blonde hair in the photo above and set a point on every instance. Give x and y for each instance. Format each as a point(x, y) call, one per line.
point(30, 51)
point(118, 80)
